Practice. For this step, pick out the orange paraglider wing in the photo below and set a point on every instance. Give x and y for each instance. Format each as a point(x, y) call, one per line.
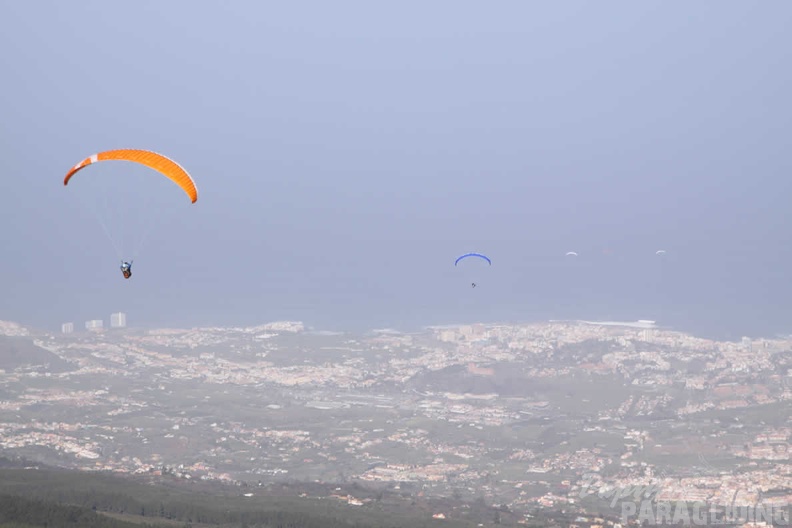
point(158, 162)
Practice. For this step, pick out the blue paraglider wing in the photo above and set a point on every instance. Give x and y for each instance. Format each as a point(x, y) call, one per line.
point(479, 255)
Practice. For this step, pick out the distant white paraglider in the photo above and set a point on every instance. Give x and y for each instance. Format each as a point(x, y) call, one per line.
point(660, 252)
point(571, 253)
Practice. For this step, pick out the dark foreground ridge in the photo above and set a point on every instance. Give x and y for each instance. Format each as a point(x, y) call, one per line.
point(37, 496)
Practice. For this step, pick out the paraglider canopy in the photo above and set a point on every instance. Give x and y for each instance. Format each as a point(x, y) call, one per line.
point(162, 164)
point(468, 255)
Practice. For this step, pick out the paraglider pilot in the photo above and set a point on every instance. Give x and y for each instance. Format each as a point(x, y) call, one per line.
point(126, 269)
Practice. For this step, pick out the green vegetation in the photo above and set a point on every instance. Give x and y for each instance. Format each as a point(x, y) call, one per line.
point(23, 512)
point(52, 498)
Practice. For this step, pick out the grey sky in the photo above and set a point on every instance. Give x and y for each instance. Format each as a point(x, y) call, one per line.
point(347, 152)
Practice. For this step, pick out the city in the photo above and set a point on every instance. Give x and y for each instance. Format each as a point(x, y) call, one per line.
point(528, 417)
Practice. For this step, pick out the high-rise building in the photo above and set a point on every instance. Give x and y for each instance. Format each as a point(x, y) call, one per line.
point(67, 328)
point(118, 320)
point(94, 324)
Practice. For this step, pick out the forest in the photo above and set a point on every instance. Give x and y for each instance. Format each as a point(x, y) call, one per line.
point(36, 496)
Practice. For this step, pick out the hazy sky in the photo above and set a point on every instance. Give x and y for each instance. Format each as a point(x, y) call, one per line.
point(347, 152)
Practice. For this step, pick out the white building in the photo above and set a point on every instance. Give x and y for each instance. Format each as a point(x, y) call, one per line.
point(67, 328)
point(118, 320)
point(95, 324)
